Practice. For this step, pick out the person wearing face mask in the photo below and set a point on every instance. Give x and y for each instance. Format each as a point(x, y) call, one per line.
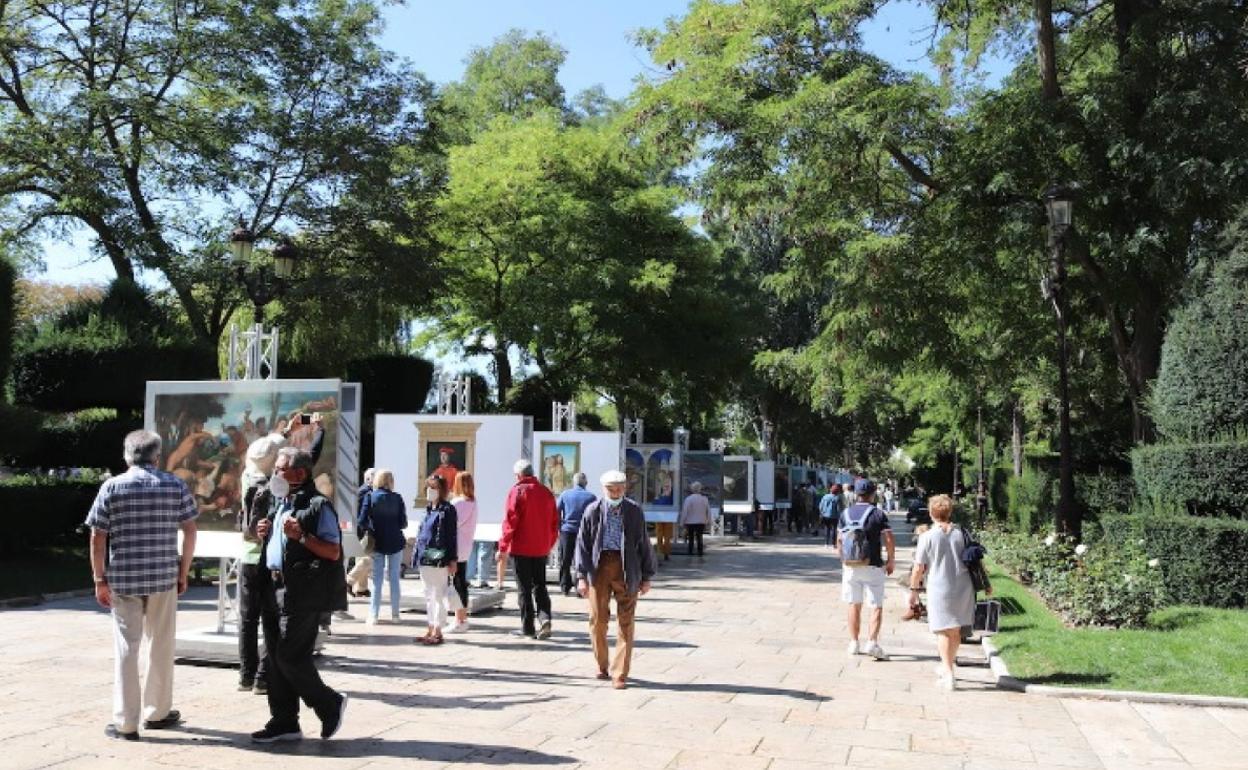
point(614, 558)
point(302, 550)
point(437, 555)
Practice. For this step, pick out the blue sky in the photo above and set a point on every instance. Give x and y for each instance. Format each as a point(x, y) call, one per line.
point(437, 37)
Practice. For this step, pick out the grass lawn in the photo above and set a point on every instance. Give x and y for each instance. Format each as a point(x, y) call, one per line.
point(46, 571)
point(1191, 650)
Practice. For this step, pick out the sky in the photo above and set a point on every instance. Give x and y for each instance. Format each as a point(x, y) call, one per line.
point(438, 36)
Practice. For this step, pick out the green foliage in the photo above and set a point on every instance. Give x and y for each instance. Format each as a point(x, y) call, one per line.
point(392, 383)
point(1207, 478)
point(1202, 389)
point(1031, 500)
point(21, 434)
point(88, 439)
point(1201, 560)
point(68, 378)
point(1111, 583)
point(1104, 494)
point(43, 511)
point(515, 77)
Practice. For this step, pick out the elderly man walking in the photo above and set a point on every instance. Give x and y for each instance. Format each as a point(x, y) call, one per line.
point(302, 548)
point(135, 521)
point(614, 558)
point(572, 504)
point(530, 530)
point(695, 515)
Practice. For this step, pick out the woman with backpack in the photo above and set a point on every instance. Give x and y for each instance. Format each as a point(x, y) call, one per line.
point(950, 592)
point(436, 555)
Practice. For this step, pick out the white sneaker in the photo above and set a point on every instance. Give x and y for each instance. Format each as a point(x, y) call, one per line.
point(394, 617)
point(874, 650)
point(372, 620)
point(853, 649)
point(946, 682)
point(457, 628)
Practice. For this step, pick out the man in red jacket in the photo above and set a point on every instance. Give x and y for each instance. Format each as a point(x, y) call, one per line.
point(530, 530)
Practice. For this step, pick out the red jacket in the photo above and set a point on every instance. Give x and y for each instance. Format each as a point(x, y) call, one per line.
point(531, 526)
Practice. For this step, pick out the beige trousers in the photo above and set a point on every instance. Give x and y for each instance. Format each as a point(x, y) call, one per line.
point(135, 619)
point(608, 583)
point(357, 578)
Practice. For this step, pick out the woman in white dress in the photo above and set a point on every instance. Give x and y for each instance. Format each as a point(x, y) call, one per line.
point(950, 594)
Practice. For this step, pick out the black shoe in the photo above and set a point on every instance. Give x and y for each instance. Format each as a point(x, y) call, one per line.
point(112, 732)
point(331, 726)
point(522, 632)
point(246, 684)
point(261, 687)
point(171, 720)
point(272, 735)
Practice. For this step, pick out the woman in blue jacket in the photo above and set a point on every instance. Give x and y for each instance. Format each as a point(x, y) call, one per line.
point(437, 555)
point(384, 515)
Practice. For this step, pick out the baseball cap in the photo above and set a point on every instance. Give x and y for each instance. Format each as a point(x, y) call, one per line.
point(864, 487)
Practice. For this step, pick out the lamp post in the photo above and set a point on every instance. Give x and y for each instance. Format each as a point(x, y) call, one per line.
point(1060, 201)
point(260, 287)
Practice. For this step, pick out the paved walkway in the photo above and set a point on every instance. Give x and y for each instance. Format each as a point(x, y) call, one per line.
point(741, 664)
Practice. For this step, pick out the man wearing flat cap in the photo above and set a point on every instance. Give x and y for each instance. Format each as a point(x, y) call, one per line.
point(614, 558)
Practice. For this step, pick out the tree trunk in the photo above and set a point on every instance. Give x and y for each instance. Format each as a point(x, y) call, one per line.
point(1016, 440)
point(502, 370)
point(1046, 50)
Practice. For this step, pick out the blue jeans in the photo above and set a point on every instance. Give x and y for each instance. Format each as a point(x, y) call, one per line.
point(393, 564)
point(481, 561)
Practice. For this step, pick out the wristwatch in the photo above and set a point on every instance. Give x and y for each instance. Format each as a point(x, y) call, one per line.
point(99, 580)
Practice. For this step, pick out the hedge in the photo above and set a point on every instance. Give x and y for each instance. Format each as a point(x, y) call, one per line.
point(1032, 500)
point(1201, 559)
point(8, 309)
point(67, 377)
point(392, 384)
point(1203, 478)
point(41, 511)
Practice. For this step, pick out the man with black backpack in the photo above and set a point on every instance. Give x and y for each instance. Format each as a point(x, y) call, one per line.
point(863, 529)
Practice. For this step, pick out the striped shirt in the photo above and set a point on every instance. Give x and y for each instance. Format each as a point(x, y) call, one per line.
point(613, 528)
point(142, 510)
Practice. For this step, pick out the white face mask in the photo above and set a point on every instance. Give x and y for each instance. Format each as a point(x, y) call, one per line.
point(431, 495)
point(279, 486)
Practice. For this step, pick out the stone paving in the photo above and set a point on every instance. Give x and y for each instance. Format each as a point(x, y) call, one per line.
point(740, 664)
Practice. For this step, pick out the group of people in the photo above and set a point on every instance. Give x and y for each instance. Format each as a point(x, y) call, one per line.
point(293, 572)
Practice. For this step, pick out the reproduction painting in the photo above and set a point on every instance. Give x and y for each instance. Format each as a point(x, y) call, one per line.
point(660, 478)
point(707, 469)
point(635, 472)
point(737, 481)
point(447, 459)
point(782, 484)
point(560, 461)
point(207, 427)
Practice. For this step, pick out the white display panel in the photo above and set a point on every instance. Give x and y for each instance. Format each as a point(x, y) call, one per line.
point(346, 499)
point(595, 453)
point(765, 483)
point(488, 446)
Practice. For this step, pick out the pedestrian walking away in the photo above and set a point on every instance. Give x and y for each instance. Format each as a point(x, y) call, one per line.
point(464, 498)
point(863, 536)
point(362, 570)
point(614, 560)
point(138, 574)
point(530, 531)
point(384, 517)
point(950, 591)
point(571, 505)
point(695, 515)
point(437, 555)
point(830, 513)
point(302, 548)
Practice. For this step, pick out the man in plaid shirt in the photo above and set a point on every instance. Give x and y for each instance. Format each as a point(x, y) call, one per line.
point(134, 557)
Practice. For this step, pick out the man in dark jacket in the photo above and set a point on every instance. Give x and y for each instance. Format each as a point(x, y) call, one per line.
point(302, 547)
point(614, 558)
point(572, 504)
point(530, 530)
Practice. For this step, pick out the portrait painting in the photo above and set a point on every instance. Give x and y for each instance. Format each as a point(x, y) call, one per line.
point(559, 462)
point(446, 459)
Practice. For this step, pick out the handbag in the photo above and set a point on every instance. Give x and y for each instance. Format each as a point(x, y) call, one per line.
point(987, 616)
point(433, 556)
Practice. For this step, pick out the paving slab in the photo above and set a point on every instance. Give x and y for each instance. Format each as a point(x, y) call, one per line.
point(740, 663)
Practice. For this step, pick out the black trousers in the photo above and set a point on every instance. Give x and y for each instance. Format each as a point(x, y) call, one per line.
point(292, 674)
point(531, 575)
point(460, 583)
point(255, 598)
point(829, 531)
point(694, 532)
point(769, 522)
point(567, 549)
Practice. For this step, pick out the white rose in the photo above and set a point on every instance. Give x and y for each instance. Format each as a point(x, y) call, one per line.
point(1081, 549)
point(1127, 578)
point(1141, 541)
point(1050, 540)
point(1154, 563)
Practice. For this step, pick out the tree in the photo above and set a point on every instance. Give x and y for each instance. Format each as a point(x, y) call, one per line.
point(151, 123)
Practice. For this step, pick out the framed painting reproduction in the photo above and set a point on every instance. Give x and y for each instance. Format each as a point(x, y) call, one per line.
point(557, 463)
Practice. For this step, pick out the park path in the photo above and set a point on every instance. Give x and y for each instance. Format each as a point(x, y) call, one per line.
point(741, 664)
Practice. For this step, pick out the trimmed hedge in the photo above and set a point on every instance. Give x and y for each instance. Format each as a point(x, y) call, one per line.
point(1207, 479)
point(82, 441)
point(67, 378)
point(1032, 500)
point(1201, 559)
point(1104, 494)
point(41, 511)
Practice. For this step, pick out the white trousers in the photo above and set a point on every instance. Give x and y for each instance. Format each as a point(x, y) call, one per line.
point(436, 586)
point(135, 619)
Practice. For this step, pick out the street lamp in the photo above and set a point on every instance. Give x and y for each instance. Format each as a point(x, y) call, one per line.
point(1060, 203)
point(242, 241)
point(261, 287)
point(284, 257)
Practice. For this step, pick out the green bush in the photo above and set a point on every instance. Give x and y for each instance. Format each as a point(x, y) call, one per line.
point(1208, 479)
point(90, 439)
point(1104, 583)
point(41, 511)
point(392, 384)
point(1031, 500)
point(22, 434)
point(1201, 560)
point(1104, 494)
point(1202, 386)
point(73, 376)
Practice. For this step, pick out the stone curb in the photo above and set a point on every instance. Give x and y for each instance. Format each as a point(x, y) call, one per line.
point(34, 601)
point(1007, 682)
